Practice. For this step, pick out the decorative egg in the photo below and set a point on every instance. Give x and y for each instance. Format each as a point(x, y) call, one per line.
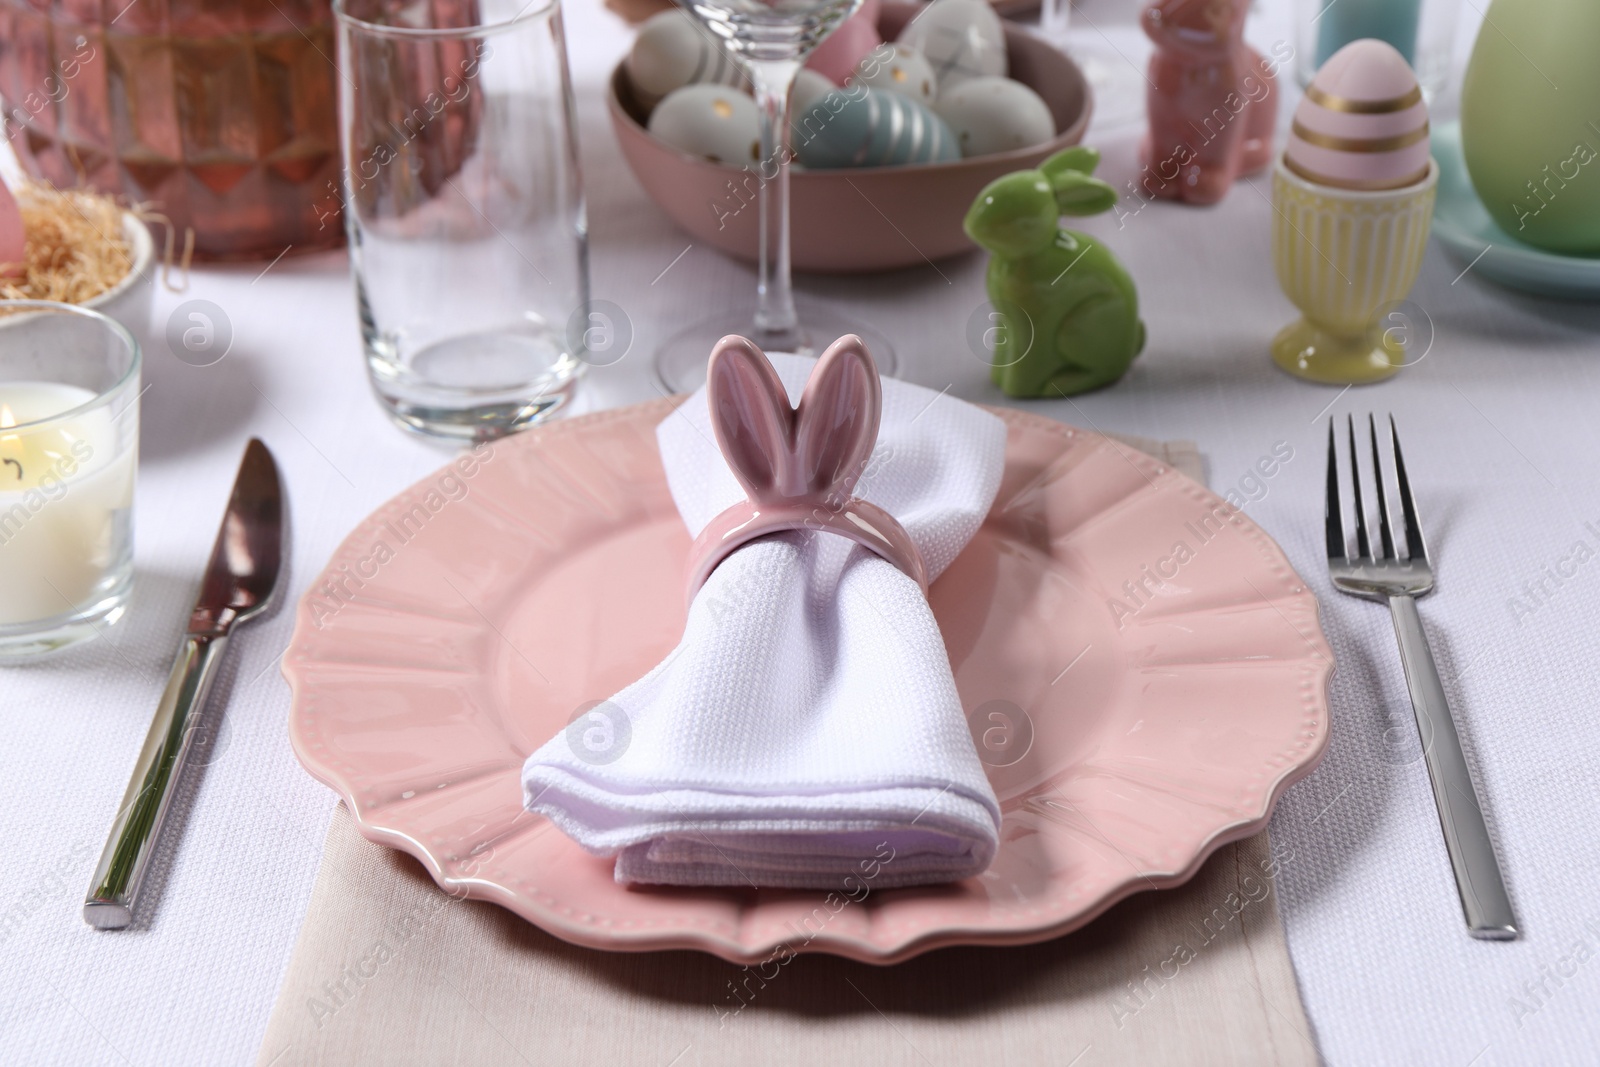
point(989, 115)
point(712, 122)
point(13, 238)
point(1362, 123)
point(898, 68)
point(961, 39)
point(1530, 122)
point(862, 127)
point(839, 53)
point(809, 87)
point(673, 50)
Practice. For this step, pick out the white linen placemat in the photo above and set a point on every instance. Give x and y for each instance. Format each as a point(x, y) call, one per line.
point(390, 969)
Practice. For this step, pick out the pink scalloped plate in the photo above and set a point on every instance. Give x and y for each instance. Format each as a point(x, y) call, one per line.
point(1141, 658)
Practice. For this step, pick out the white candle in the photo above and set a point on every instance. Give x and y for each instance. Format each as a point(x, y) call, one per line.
point(66, 497)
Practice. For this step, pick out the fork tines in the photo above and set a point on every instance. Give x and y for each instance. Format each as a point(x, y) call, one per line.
point(1338, 545)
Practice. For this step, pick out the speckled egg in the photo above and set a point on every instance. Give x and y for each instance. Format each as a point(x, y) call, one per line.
point(861, 127)
point(673, 50)
point(899, 68)
point(989, 115)
point(961, 39)
point(712, 122)
point(1362, 123)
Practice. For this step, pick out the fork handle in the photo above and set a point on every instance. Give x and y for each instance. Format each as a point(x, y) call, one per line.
point(1483, 891)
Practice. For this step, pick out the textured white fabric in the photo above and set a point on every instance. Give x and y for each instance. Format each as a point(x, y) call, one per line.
point(807, 723)
point(1500, 434)
point(548, 1003)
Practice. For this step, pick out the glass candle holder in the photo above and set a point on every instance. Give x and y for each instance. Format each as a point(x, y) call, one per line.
point(69, 443)
point(464, 203)
point(1424, 31)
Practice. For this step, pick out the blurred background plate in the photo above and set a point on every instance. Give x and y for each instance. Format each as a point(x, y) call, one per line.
point(1462, 225)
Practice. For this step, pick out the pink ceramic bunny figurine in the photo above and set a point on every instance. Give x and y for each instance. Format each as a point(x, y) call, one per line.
point(798, 466)
point(1212, 100)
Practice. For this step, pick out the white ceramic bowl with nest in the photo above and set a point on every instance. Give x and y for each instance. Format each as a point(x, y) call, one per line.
point(130, 299)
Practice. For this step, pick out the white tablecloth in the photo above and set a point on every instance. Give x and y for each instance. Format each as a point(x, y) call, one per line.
point(1501, 440)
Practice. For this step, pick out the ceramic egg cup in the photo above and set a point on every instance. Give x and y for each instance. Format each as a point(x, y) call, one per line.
point(852, 220)
point(1342, 256)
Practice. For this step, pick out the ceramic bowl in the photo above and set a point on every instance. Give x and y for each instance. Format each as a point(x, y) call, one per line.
point(129, 300)
point(857, 219)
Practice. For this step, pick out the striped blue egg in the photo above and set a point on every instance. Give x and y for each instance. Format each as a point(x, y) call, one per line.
point(862, 127)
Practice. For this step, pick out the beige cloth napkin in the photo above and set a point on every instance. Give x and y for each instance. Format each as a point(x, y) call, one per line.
point(389, 969)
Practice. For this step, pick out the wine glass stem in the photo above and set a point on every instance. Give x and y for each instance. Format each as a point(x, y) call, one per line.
point(776, 320)
point(1054, 16)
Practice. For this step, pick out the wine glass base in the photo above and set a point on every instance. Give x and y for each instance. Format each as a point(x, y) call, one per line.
point(1112, 62)
point(680, 361)
point(1119, 87)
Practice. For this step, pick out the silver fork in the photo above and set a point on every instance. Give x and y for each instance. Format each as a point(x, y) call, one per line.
point(1387, 576)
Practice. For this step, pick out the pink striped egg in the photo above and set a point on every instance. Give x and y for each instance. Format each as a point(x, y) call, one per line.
point(1363, 123)
point(837, 57)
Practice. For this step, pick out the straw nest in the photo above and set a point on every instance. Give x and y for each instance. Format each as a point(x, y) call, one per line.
point(75, 245)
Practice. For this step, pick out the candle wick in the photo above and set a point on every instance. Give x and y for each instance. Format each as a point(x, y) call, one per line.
point(15, 463)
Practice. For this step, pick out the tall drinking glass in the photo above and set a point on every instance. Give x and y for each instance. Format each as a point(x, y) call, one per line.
point(464, 207)
point(770, 40)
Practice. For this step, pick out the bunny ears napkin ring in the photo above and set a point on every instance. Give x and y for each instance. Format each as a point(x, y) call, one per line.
point(798, 466)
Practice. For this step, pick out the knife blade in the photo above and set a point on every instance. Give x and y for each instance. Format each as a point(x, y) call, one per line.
point(238, 584)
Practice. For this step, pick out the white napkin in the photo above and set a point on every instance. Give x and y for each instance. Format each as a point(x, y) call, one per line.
point(806, 732)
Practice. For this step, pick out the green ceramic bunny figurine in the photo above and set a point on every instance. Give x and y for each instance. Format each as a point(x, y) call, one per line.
point(1067, 310)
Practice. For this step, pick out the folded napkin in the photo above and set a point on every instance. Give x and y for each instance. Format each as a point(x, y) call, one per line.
point(806, 730)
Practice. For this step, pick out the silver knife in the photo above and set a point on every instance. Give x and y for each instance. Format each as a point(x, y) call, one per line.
point(238, 584)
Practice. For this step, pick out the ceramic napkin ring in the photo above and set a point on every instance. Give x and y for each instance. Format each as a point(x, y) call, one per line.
point(798, 466)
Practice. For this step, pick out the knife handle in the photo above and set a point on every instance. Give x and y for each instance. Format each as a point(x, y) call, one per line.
point(122, 867)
